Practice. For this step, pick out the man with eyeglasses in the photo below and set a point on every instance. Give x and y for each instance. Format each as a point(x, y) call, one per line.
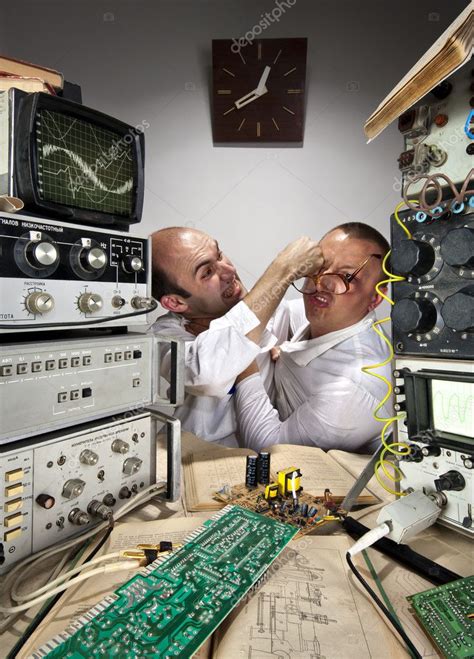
point(323, 397)
point(224, 327)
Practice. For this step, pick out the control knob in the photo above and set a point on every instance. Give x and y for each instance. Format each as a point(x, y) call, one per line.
point(413, 257)
point(41, 253)
point(74, 487)
point(93, 258)
point(410, 315)
point(451, 480)
point(457, 247)
point(45, 501)
point(78, 517)
point(458, 310)
point(119, 446)
point(90, 302)
point(431, 451)
point(131, 466)
point(39, 302)
point(131, 263)
point(88, 457)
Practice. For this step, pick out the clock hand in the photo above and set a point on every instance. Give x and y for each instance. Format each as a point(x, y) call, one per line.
point(251, 96)
point(263, 80)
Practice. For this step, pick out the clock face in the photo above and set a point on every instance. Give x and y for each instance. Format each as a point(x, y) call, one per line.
point(258, 90)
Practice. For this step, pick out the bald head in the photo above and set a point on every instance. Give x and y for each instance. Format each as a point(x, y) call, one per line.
point(169, 246)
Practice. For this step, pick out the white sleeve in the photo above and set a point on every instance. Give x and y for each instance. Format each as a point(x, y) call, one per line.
point(339, 417)
point(214, 358)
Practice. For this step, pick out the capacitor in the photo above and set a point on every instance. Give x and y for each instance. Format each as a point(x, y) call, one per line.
point(251, 471)
point(263, 467)
point(312, 511)
point(304, 510)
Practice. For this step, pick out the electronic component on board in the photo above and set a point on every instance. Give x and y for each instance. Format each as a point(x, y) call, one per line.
point(263, 467)
point(251, 471)
point(289, 484)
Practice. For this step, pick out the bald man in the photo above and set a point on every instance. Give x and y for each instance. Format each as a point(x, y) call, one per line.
point(224, 327)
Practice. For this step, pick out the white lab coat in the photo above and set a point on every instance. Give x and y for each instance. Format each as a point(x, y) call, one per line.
point(215, 358)
point(323, 397)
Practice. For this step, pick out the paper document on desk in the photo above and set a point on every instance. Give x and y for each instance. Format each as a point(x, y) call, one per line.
point(205, 473)
point(84, 596)
point(308, 607)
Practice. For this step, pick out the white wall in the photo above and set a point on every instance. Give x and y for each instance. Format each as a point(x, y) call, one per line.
point(151, 60)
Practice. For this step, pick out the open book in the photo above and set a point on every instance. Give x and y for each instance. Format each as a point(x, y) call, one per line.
point(453, 49)
point(207, 472)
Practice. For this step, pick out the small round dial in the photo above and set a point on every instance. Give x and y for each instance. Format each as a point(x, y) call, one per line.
point(88, 259)
point(411, 315)
point(90, 302)
point(458, 310)
point(39, 302)
point(413, 257)
point(88, 457)
point(131, 263)
point(457, 247)
point(36, 254)
point(42, 253)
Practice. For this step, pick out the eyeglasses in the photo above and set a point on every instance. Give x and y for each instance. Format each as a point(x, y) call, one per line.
point(332, 282)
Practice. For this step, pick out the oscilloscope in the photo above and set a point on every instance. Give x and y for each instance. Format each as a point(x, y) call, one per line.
point(66, 160)
point(437, 397)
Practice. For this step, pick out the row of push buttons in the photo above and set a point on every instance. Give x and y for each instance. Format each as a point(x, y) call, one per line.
point(49, 365)
point(13, 522)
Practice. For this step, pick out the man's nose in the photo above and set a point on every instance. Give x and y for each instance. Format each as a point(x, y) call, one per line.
point(226, 270)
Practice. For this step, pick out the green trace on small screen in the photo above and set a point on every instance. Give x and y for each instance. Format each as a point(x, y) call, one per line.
point(452, 407)
point(176, 605)
point(84, 165)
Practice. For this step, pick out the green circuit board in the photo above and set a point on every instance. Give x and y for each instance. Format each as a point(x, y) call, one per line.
point(173, 606)
point(444, 613)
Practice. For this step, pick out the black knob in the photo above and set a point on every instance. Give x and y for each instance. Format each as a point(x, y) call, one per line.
point(457, 247)
point(458, 310)
point(431, 451)
point(45, 501)
point(451, 480)
point(411, 315)
point(415, 454)
point(93, 259)
point(442, 90)
point(132, 263)
point(413, 257)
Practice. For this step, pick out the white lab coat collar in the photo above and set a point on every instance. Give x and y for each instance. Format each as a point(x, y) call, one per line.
point(302, 351)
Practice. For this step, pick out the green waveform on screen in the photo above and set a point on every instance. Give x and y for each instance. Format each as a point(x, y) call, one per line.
point(453, 407)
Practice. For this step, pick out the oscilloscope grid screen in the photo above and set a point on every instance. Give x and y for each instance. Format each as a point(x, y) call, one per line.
point(84, 165)
point(452, 405)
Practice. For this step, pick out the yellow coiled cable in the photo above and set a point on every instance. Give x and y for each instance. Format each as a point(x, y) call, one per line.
point(396, 448)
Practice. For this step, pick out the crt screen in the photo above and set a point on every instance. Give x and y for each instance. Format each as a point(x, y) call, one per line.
point(84, 165)
point(452, 405)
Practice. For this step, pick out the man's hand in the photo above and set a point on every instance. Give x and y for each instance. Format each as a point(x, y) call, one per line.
point(300, 258)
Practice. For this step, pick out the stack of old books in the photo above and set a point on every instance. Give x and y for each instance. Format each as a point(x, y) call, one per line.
point(28, 77)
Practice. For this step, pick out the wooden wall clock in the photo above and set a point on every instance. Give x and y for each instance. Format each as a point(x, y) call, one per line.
point(258, 91)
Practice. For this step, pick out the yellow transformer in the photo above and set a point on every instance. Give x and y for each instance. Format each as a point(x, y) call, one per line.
point(285, 478)
point(271, 491)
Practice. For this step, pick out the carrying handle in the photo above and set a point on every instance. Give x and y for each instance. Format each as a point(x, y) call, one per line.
point(173, 446)
point(176, 386)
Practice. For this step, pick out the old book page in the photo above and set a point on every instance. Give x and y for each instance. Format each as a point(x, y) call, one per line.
point(308, 606)
point(207, 472)
point(452, 50)
point(84, 596)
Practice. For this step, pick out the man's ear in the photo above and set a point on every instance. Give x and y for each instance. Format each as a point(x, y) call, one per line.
point(376, 299)
point(174, 303)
